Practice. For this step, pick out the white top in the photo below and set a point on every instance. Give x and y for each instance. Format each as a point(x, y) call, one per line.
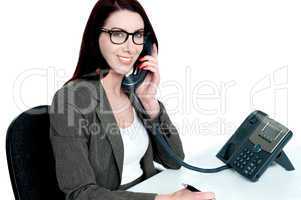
point(135, 142)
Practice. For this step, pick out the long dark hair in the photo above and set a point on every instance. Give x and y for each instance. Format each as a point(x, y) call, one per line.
point(90, 57)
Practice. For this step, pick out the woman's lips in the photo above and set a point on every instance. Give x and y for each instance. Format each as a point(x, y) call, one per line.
point(125, 60)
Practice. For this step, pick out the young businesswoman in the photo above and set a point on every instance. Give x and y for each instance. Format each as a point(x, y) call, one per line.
point(101, 141)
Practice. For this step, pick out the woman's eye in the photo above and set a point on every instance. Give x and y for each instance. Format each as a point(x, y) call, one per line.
point(118, 34)
point(139, 34)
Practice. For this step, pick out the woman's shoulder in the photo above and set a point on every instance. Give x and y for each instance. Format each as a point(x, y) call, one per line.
point(79, 93)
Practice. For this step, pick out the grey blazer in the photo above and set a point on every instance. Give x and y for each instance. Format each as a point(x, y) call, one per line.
point(88, 148)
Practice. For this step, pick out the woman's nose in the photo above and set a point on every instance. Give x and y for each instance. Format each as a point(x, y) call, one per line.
point(129, 44)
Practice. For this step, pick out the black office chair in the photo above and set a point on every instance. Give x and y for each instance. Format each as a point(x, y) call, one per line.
point(30, 158)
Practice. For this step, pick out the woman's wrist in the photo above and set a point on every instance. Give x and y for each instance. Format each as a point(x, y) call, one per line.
point(151, 106)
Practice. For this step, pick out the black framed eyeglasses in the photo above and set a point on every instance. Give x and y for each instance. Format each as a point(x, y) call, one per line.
point(120, 36)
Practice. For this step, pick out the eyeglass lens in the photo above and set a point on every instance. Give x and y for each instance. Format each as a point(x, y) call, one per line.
point(119, 37)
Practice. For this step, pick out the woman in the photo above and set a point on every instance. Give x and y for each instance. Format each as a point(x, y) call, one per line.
point(102, 141)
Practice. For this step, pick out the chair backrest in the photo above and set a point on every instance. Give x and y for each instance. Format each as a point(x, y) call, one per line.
point(30, 157)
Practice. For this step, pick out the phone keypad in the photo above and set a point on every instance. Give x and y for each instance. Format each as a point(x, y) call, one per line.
point(247, 161)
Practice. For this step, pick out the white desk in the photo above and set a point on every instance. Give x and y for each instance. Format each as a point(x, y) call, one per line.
point(274, 184)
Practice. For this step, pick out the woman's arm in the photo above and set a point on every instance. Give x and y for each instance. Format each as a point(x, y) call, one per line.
point(146, 93)
point(170, 133)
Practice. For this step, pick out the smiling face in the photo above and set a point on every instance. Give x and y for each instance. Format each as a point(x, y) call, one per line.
point(121, 57)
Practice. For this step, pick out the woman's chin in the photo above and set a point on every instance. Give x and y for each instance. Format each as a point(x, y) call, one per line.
point(123, 70)
point(129, 72)
point(126, 72)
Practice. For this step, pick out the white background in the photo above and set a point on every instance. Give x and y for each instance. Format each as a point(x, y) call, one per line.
point(219, 60)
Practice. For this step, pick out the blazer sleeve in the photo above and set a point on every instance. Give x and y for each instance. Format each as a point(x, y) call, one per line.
point(74, 173)
point(169, 131)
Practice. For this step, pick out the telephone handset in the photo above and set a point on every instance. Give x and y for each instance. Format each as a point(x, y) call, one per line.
point(132, 81)
point(255, 145)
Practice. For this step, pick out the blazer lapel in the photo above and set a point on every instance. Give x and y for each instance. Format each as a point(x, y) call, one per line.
point(108, 121)
point(109, 125)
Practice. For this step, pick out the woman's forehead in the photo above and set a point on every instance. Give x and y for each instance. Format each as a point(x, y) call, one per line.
point(125, 19)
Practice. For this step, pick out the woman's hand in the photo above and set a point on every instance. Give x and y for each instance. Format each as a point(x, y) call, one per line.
point(185, 194)
point(148, 88)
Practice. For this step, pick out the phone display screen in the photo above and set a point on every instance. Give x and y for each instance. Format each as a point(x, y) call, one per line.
point(270, 133)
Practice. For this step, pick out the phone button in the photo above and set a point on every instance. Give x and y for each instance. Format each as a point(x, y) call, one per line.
point(257, 148)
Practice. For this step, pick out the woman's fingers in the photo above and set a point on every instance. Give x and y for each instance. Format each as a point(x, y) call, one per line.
point(205, 195)
point(150, 68)
point(184, 193)
point(155, 51)
point(145, 64)
point(149, 58)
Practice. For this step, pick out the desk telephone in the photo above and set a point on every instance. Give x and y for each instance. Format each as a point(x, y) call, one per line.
point(253, 147)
